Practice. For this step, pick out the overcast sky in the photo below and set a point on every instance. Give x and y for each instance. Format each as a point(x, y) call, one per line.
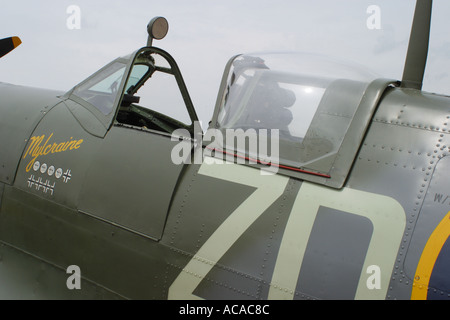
point(204, 34)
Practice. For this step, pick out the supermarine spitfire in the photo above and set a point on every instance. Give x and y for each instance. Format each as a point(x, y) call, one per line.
point(313, 181)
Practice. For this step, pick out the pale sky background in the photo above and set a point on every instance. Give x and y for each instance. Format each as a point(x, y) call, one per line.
point(204, 34)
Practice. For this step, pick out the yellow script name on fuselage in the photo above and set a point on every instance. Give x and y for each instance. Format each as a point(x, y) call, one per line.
point(38, 147)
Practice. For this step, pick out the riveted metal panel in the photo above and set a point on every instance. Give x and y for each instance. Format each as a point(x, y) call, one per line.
point(405, 107)
point(25, 277)
point(434, 210)
point(398, 158)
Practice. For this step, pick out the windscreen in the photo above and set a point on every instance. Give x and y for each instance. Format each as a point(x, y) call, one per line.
point(102, 89)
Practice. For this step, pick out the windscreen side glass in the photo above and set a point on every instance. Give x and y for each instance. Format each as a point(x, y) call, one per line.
point(138, 71)
point(101, 90)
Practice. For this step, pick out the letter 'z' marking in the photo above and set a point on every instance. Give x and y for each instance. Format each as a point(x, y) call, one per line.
point(268, 190)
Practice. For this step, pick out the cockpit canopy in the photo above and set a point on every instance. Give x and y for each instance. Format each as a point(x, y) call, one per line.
point(281, 91)
point(309, 100)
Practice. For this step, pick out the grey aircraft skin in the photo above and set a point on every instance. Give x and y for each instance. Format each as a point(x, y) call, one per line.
point(357, 207)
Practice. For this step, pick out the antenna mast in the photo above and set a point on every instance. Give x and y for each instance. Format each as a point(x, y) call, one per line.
point(416, 58)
